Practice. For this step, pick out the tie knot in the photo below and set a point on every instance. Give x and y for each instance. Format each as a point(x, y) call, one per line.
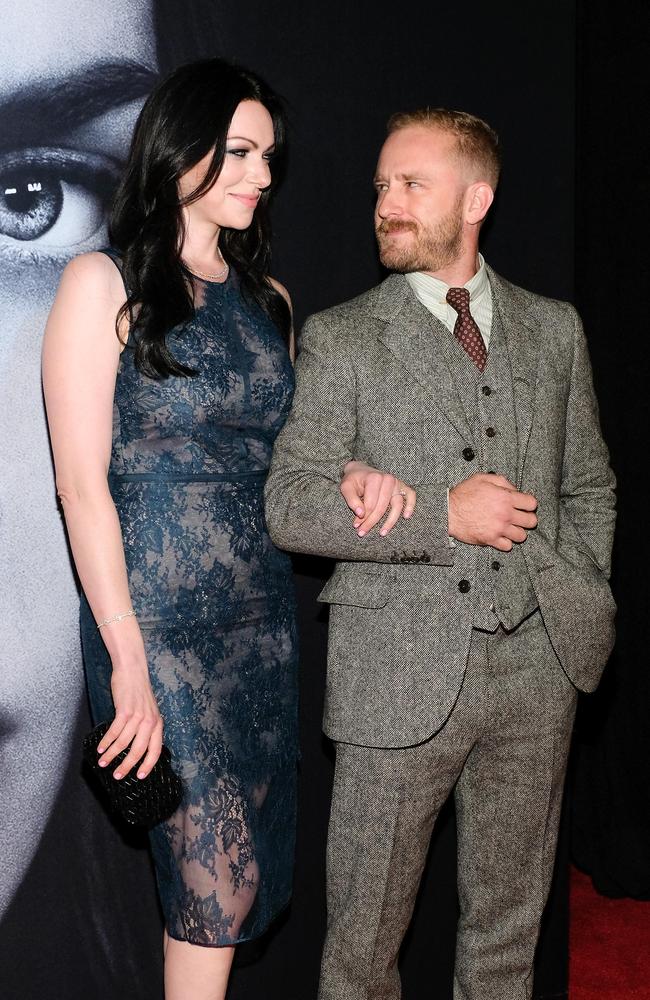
point(458, 299)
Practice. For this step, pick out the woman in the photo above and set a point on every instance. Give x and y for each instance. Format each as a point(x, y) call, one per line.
point(161, 437)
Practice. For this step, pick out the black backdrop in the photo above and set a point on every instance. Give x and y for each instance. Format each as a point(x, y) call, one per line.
point(611, 803)
point(85, 920)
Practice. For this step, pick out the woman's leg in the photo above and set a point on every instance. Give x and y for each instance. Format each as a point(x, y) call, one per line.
point(193, 972)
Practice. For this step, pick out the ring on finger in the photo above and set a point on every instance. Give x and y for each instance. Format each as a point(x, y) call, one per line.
point(399, 493)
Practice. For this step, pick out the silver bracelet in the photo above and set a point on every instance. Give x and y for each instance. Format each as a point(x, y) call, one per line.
point(117, 618)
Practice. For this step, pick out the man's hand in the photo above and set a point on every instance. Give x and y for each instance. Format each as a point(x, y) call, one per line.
point(488, 510)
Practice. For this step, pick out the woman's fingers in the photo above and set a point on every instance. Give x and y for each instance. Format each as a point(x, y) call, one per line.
point(352, 492)
point(140, 734)
point(373, 485)
point(396, 508)
point(127, 728)
point(153, 753)
point(387, 488)
point(113, 731)
point(138, 749)
point(402, 504)
point(395, 497)
point(377, 486)
point(409, 500)
point(371, 495)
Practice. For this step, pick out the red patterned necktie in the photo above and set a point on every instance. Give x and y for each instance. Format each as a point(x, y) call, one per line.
point(466, 329)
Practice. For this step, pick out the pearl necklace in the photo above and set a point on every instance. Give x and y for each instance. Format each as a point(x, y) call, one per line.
point(204, 274)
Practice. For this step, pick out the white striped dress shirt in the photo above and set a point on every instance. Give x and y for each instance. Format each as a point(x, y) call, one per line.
point(432, 293)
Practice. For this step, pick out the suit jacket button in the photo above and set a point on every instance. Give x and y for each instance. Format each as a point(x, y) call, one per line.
point(468, 454)
point(496, 564)
point(485, 389)
point(490, 431)
point(464, 586)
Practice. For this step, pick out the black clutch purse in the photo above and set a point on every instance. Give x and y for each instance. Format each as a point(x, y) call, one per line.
point(138, 801)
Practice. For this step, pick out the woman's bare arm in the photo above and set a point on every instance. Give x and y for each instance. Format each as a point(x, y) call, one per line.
point(81, 354)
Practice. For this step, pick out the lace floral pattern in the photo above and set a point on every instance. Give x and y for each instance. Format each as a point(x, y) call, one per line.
point(215, 605)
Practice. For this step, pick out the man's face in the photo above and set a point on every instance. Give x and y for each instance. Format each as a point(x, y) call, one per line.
point(420, 188)
point(66, 119)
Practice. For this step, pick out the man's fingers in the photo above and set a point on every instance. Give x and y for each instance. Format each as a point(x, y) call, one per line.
point(503, 544)
point(515, 533)
point(524, 501)
point(524, 519)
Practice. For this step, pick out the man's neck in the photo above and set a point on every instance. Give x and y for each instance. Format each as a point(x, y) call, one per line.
point(459, 272)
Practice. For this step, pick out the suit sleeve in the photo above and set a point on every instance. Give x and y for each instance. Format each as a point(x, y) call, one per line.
point(305, 511)
point(587, 494)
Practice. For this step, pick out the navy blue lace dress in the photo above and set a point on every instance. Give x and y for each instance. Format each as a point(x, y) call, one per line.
point(215, 604)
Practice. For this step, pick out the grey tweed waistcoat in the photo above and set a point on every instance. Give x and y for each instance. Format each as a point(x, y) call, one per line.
point(502, 587)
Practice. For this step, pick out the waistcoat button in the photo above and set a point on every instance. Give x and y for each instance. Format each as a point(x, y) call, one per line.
point(490, 431)
point(464, 586)
point(468, 454)
point(485, 389)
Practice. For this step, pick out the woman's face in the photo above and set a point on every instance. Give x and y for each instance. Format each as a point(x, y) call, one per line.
point(246, 171)
point(72, 80)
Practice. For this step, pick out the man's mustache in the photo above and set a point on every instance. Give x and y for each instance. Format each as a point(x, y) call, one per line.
point(387, 227)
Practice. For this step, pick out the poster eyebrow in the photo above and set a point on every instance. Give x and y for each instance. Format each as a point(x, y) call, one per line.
point(60, 104)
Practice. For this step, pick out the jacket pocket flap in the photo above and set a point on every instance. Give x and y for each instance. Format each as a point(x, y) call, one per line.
point(362, 590)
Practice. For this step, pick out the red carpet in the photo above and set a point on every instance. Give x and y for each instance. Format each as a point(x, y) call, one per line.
point(610, 945)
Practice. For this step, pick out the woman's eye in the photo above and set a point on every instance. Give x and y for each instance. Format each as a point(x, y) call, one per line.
point(54, 198)
point(241, 153)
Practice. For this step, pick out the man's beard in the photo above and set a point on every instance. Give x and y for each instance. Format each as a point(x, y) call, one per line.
point(432, 249)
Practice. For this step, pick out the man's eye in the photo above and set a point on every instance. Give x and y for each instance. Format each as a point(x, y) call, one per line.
point(54, 198)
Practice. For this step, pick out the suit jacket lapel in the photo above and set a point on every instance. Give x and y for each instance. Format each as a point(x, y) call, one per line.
point(408, 334)
point(522, 333)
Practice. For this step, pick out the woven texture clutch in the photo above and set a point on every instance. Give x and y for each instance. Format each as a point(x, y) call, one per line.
point(139, 801)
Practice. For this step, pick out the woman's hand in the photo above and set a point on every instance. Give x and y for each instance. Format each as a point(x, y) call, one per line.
point(370, 493)
point(137, 722)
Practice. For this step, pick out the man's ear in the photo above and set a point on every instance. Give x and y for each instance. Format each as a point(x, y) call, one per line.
point(478, 198)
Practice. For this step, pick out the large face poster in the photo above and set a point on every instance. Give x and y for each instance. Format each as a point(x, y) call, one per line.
point(73, 77)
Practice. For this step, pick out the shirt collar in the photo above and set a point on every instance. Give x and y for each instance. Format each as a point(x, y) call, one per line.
point(435, 290)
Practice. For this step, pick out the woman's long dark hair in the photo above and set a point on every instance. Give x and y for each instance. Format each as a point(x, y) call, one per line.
point(186, 118)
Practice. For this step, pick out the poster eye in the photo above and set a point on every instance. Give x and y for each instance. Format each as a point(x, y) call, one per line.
point(53, 198)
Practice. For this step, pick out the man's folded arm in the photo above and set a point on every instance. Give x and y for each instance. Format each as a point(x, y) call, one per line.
point(305, 511)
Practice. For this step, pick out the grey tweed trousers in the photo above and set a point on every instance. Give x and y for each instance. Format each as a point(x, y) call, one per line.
point(503, 751)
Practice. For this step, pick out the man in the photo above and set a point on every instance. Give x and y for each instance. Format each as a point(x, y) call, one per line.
point(459, 640)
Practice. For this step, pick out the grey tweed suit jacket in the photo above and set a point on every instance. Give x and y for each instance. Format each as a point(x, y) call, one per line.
point(371, 386)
